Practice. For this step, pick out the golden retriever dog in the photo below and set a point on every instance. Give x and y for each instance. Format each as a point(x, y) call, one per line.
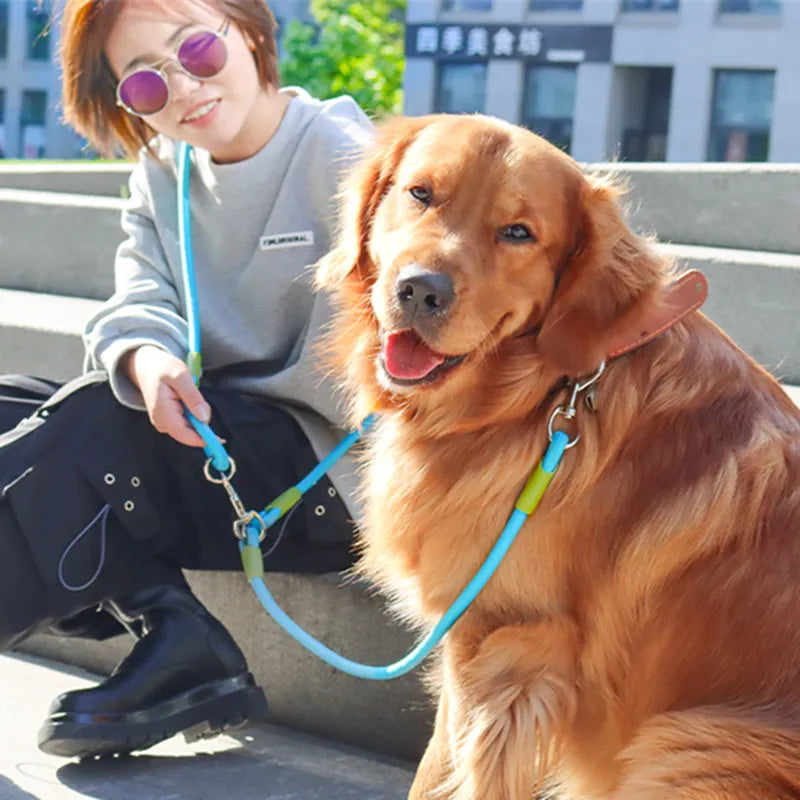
point(641, 640)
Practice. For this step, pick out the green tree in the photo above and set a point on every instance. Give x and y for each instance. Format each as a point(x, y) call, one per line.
point(356, 48)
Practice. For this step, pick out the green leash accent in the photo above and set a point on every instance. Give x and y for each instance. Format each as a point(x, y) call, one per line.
point(195, 363)
point(284, 502)
point(535, 488)
point(252, 562)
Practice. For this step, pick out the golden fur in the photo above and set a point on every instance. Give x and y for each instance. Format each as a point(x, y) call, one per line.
point(642, 638)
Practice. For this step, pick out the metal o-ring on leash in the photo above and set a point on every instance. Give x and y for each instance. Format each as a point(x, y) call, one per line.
point(241, 525)
point(568, 414)
point(223, 479)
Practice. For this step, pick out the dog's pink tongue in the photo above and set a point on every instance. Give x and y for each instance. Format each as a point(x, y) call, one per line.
point(407, 357)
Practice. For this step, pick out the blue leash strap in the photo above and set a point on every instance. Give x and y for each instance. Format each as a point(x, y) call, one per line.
point(213, 448)
point(526, 504)
point(251, 526)
point(281, 504)
point(187, 260)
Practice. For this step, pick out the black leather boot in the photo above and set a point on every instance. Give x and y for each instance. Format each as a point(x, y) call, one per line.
point(185, 674)
point(95, 623)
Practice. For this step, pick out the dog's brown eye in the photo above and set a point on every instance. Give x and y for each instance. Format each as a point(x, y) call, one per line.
point(517, 233)
point(421, 194)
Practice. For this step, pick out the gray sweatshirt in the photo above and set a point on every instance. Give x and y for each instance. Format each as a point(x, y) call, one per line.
point(258, 228)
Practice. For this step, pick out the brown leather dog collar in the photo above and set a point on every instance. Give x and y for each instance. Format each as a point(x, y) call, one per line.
point(679, 298)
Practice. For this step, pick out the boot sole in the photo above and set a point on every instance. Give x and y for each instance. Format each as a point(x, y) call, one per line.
point(203, 712)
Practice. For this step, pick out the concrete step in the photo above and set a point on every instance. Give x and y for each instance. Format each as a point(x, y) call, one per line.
point(41, 333)
point(263, 762)
point(755, 298)
point(761, 318)
point(742, 206)
point(57, 242)
point(82, 177)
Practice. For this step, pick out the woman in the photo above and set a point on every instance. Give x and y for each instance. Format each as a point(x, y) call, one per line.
point(102, 504)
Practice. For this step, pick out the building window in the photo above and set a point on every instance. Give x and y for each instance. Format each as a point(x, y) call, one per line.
point(550, 103)
point(3, 28)
point(38, 31)
point(750, 6)
point(461, 88)
point(741, 116)
point(646, 94)
point(32, 124)
point(466, 5)
point(556, 5)
point(650, 5)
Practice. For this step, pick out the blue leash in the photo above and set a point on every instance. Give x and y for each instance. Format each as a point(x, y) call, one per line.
point(460, 605)
point(214, 449)
point(251, 526)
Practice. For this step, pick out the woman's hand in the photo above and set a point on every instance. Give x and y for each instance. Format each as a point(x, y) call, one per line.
point(167, 386)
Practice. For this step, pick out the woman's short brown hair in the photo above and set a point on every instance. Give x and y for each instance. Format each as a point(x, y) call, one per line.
point(90, 86)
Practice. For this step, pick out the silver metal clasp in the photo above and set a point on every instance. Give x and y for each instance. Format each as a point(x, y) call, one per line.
point(569, 412)
point(240, 526)
point(243, 516)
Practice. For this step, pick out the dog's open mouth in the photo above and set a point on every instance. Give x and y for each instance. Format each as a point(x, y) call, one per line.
point(407, 360)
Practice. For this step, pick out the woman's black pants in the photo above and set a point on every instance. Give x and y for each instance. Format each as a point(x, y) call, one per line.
point(95, 503)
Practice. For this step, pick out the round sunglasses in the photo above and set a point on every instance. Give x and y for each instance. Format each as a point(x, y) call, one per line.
point(202, 55)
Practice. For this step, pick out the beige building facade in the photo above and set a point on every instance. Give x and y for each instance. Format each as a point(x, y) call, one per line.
point(641, 80)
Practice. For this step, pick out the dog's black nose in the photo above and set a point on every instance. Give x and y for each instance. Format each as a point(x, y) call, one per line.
point(422, 292)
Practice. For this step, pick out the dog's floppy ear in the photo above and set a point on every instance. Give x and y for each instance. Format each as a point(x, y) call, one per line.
point(609, 275)
point(361, 195)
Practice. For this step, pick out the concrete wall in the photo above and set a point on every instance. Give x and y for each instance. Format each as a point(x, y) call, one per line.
point(742, 206)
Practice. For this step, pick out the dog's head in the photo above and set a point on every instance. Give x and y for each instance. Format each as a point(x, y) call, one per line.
point(476, 266)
